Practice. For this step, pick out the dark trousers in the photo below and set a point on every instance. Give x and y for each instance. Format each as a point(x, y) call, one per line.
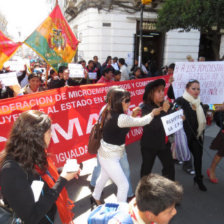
point(164, 155)
point(196, 148)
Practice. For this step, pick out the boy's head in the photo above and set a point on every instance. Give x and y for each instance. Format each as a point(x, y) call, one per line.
point(117, 76)
point(156, 197)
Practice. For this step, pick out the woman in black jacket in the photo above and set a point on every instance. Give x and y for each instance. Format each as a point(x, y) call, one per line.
point(24, 163)
point(154, 141)
point(194, 126)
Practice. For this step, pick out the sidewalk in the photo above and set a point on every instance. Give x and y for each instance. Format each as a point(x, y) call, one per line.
point(196, 208)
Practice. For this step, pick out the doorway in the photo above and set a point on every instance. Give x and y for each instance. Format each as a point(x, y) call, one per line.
point(152, 45)
point(209, 47)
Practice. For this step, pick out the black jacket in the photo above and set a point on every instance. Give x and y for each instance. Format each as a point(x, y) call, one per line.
point(6, 93)
point(190, 122)
point(113, 134)
point(153, 133)
point(70, 82)
point(17, 193)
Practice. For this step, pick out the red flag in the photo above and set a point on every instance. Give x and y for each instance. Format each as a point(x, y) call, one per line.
point(7, 48)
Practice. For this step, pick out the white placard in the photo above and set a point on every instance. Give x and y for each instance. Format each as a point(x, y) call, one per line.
point(92, 75)
point(209, 74)
point(15, 65)
point(9, 79)
point(173, 122)
point(75, 70)
point(37, 187)
point(71, 165)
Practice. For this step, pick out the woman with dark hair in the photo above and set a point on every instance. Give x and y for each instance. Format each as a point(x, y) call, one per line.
point(106, 64)
point(154, 141)
point(24, 162)
point(194, 126)
point(137, 73)
point(116, 125)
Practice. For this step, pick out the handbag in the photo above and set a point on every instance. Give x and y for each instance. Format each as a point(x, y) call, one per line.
point(7, 216)
point(181, 146)
point(94, 138)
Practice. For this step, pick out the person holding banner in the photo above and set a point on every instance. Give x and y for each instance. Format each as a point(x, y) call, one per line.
point(107, 75)
point(116, 124)
point(34, 85)
point(65, 80)
point(154, 141)
point(30, 183)
point(194, 126)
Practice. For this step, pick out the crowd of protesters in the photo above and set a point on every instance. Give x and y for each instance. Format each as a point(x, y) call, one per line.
point(24, 161)
point(35, 79)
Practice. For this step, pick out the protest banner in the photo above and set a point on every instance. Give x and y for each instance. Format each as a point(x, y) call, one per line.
point(73, 111)
point(172, 122)
point(75, 70)
point(9, 79)
point(209, 74)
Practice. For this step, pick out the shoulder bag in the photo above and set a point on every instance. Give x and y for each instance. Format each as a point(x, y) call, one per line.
point(7, 216)
point(95, 137)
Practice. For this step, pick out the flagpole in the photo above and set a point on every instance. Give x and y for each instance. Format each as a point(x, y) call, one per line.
point(47, 71)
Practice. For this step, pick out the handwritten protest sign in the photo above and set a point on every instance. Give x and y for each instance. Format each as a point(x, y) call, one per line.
point(173, 122)
point(9, 79)
point(209, 74)
point(75, 70)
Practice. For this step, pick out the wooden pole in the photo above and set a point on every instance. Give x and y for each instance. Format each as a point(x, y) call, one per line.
point(47, 71)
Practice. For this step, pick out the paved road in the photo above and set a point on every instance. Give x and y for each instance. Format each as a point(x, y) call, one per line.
point(196, 208)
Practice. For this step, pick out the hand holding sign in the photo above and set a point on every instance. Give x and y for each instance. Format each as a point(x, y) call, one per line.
point(76, 70)
point(173, 122)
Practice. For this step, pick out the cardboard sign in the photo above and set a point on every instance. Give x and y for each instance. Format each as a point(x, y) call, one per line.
point(75, 70)
point(209, 74)
point(9, 79)
point(173, 122)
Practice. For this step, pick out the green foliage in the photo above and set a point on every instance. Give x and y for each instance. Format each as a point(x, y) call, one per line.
point(203, 15)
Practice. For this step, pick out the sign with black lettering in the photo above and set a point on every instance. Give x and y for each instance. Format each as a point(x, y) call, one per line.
point(173, 122)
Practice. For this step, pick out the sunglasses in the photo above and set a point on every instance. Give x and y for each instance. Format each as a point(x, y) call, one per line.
point(128, 100)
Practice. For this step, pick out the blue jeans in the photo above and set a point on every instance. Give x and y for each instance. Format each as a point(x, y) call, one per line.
point(125, 166)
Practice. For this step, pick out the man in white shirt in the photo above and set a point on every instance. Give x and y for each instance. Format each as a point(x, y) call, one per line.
point(123, 69)
point(115, 64)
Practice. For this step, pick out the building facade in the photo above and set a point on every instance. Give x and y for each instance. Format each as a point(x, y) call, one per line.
point(116, 33)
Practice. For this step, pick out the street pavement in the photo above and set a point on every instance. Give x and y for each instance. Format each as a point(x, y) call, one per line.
point(197, 207)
